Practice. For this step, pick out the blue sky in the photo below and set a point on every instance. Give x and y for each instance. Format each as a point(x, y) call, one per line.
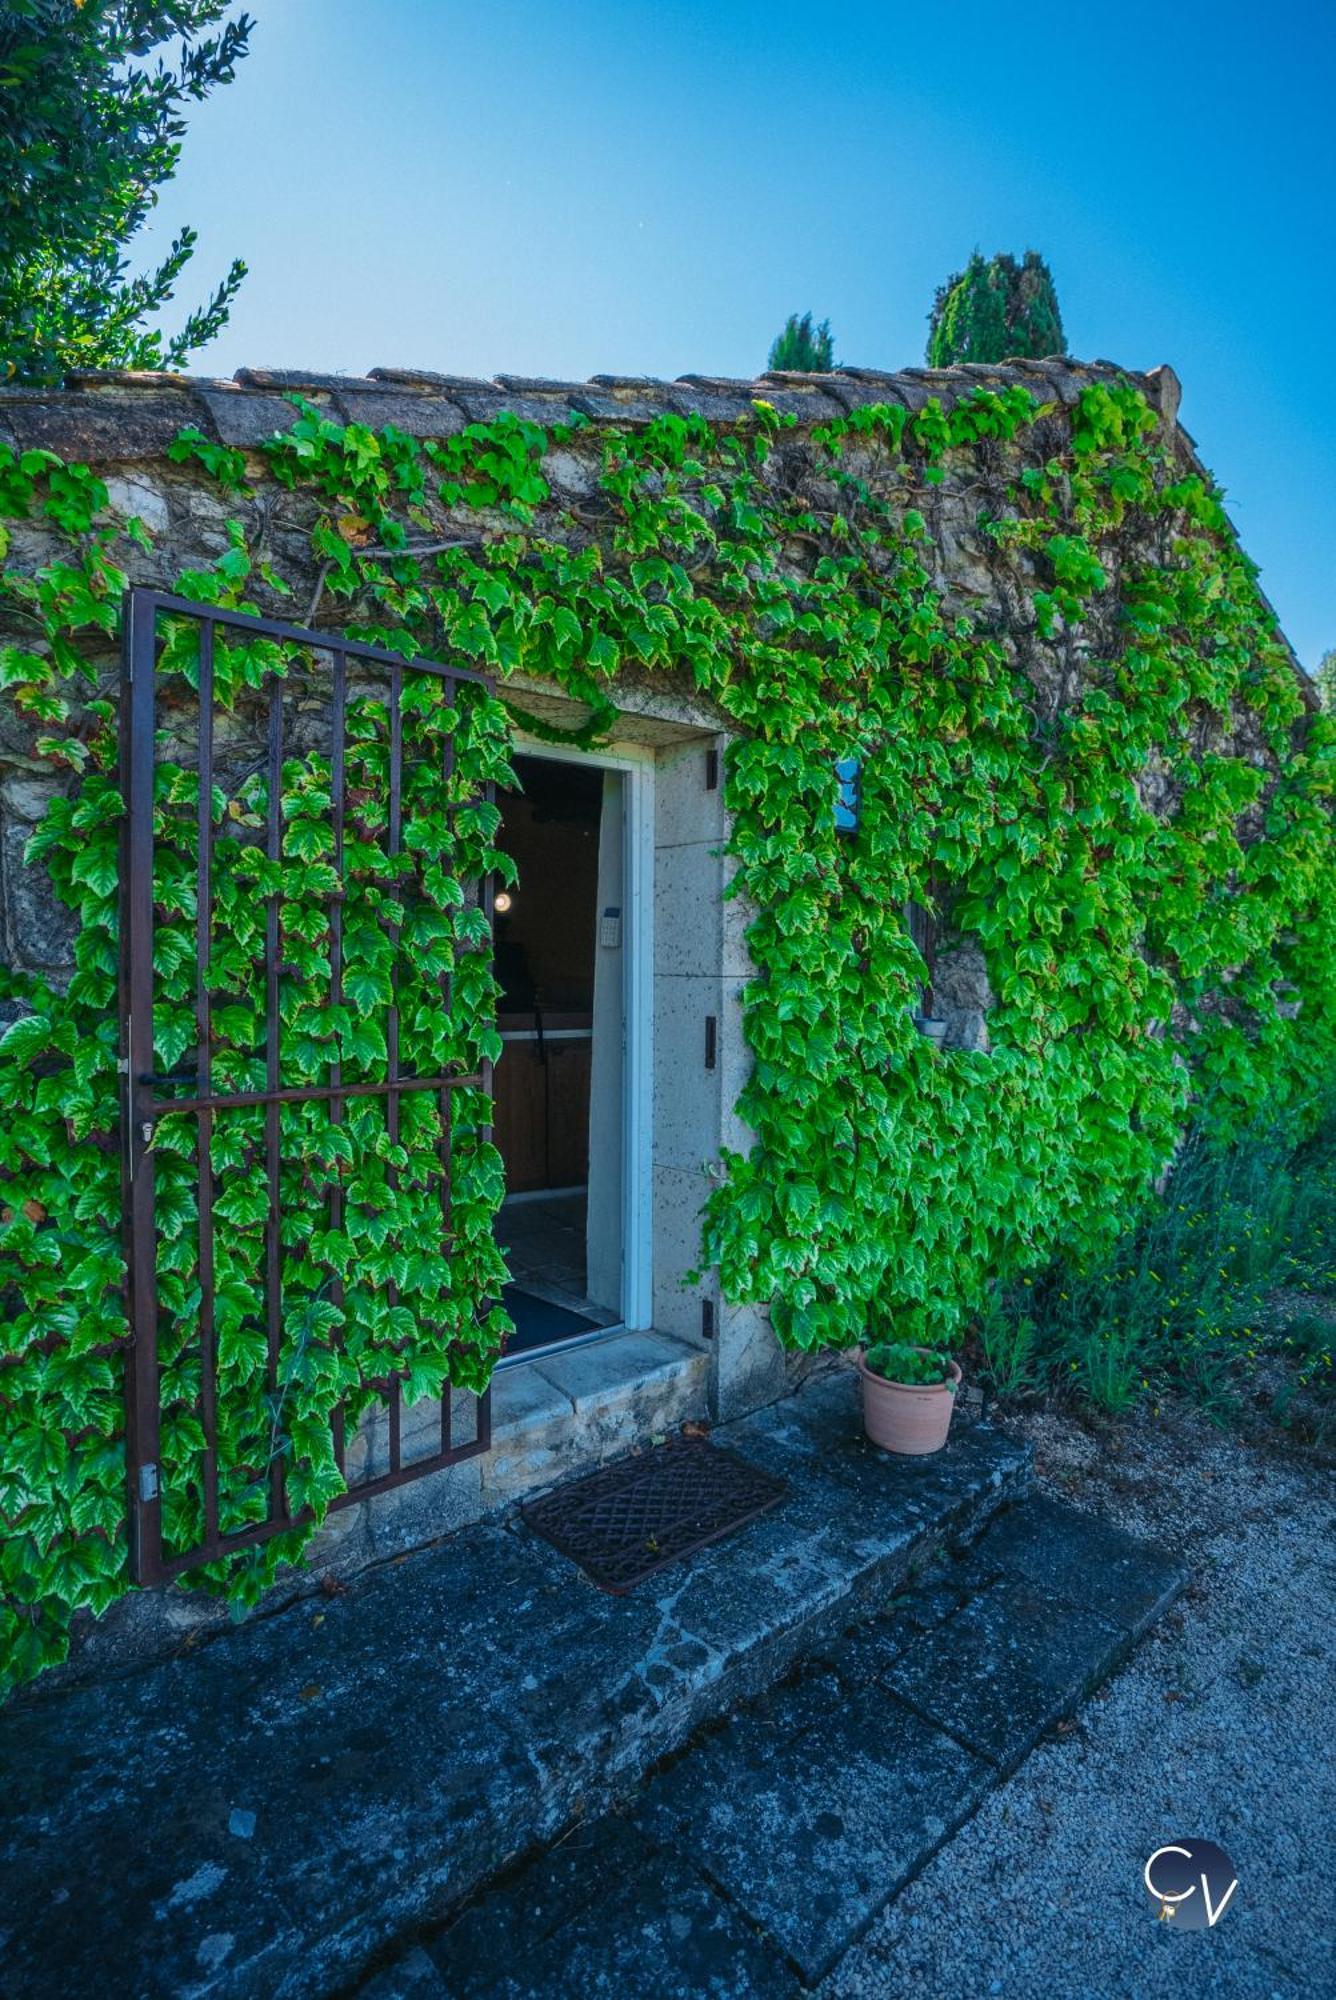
point(558, 189)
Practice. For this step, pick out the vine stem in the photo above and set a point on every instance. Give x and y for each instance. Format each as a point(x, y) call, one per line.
point(426, 549)
point(317, 593)
point(386, 555)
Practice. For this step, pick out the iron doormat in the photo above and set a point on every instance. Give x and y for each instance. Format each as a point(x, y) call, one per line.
point(623, 1524)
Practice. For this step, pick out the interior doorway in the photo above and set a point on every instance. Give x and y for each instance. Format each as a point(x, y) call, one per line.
point(563, 948)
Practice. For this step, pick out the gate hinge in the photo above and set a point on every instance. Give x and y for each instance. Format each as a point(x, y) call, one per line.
point(148, 1482)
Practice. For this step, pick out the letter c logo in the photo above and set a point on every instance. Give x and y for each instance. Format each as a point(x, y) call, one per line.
point(1164, 1895)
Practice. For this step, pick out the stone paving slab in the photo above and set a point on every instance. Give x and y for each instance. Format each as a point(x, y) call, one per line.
point(811, 1829)
point(866, 1654)
point(602, 1913)
point(1006, 1668)
point(264, 1815)
point(1086, 1561)
point(805, 1812)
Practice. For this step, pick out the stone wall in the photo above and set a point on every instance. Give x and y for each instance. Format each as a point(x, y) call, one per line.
point(122, 424)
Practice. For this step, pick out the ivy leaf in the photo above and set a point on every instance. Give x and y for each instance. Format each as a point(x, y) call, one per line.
point(307, 840)
point(98, 865)
point(363, 1041)
point(366, 988)
point(243, 1203)
point(26, 1038)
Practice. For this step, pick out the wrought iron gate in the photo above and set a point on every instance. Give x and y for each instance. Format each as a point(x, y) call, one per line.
point(343, 669)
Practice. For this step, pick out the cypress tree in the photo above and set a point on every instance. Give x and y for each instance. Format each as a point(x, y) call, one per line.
point(996, 310)
point(803, 347)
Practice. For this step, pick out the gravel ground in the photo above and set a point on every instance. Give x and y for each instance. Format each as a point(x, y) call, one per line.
point(1220, 1728)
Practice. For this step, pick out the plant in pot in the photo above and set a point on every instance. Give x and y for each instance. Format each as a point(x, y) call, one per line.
point(908, 1396)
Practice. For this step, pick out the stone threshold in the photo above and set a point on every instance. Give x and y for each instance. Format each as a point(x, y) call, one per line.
point(270, 1813)
point(594, 1375)
point(753, 1860)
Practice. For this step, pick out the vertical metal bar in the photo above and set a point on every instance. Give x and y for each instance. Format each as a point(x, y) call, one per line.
point(489, 912)
point(446, 988)
point(396, 921)
point(273, 1276)
point(929, 945)
point(338, 811)
point(204, 1084)
point(485, 1084)
point(396, 1411)
point(394, 842)
point(138, 664)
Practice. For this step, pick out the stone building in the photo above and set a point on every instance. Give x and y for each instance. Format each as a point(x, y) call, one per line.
point(623, 975)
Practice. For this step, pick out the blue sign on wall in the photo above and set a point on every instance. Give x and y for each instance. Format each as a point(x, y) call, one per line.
point(848, 771)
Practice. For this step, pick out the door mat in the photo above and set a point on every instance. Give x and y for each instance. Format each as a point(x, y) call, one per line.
point(539, 1323)
point(637, 1516)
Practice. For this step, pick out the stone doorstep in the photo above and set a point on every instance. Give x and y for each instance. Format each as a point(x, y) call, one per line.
point(571, 1407)
point(753, 1860)
point(267, 1814)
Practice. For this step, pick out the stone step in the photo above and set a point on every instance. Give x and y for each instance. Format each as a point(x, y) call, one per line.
point(752, 1861)
point(268, 1813)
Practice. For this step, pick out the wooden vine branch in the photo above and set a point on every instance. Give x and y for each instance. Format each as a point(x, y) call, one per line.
point(416, 552)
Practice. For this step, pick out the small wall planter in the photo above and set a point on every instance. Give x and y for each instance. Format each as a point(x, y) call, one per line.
point(909, 1418)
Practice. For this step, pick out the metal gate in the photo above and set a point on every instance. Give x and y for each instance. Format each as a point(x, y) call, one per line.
point(149, 1096)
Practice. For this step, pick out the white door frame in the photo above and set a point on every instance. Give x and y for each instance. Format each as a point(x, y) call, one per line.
point(636, 765)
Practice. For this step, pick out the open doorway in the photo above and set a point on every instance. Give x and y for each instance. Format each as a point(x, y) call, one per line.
point(559, 1084)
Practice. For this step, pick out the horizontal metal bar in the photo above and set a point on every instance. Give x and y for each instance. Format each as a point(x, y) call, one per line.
point(260, 1531)
point(367, 1489)
point(273, 628)
point(547, 1035)
point(595, 1333)
point(316, 1094)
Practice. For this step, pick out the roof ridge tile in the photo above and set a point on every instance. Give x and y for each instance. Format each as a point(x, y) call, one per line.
point(430, 378)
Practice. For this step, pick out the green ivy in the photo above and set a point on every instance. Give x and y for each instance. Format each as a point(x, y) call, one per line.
point(1146, 964)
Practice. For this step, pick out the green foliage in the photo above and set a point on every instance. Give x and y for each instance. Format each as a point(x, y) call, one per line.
point(912, 1366)
point(996, 310)
point(1187, 1298)
point(408, 937)
point(808, 349)
point(1326, 681)
point(90, 131)
point(1147, 964)
point(362, 1188)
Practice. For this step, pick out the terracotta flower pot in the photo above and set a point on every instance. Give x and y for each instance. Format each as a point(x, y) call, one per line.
point(911, 1418)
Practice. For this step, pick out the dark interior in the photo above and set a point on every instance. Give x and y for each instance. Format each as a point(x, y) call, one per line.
point(545, 965)
point(545, 950)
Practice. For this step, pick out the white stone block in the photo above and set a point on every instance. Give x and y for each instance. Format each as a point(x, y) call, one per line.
point(687, 1099)
point(688, 882)
point(685, 809)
